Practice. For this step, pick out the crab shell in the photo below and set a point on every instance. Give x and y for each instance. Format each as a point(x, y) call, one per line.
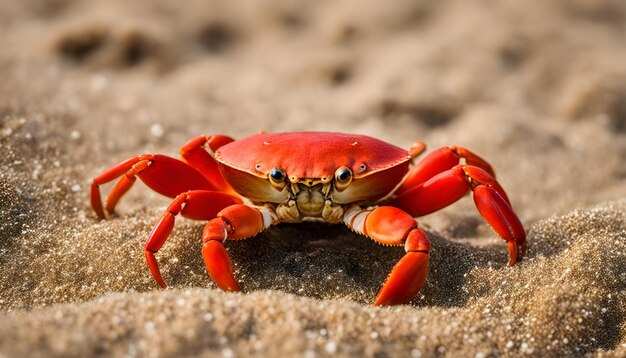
point(377, 166)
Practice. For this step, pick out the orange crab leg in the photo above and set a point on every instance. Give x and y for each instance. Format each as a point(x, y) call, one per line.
point(163, 174)
point(391, 226)
point(105, 177)
point(194, 153)
point(447, 187)
point(197, 204)
point(234, 222)
point(438, 161)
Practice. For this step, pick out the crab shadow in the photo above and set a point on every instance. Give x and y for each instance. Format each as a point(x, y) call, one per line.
point(326, 261)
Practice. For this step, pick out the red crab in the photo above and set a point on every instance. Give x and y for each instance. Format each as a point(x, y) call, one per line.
point(243, 187)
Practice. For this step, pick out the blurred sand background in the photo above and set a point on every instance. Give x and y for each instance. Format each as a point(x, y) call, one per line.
point(538, 88)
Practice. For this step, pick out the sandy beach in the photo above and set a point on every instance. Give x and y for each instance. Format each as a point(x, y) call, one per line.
point(536, 88)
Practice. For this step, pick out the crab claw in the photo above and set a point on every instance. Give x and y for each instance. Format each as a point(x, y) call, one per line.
point(219, 266)
point(215, 256)
point(405, 279)
point(408, 276)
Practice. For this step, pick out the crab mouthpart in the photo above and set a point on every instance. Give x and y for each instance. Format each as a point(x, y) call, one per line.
point(310, 197)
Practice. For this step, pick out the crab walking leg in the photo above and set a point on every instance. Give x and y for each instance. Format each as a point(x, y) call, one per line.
point(163, 174)
point(438, 161)
point(234, 222)
point(199, 152)
point(198, 205)
point(491, 201)
point(391, 226)
point(110, 175)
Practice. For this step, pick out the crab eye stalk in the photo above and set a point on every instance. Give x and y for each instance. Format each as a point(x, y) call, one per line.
point(344, 175)
point(343, 178)
point(277, 177)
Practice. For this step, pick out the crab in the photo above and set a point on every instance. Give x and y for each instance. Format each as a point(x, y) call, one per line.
point(242, 187)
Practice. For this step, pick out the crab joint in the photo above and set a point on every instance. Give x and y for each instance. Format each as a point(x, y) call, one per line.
point(217, 230)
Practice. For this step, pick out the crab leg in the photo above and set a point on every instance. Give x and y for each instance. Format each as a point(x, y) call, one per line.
point(234, 222)
point(391, 226)
point(163, 174)
point(198, 205)
point(438, 161)
point(194, 153)
point(491, 201)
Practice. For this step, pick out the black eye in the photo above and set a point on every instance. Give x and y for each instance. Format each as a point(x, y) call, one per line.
point(277, 174)
point(343, 175)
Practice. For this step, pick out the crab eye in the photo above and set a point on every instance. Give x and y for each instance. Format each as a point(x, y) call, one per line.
point(343, 176)
point(277, 175)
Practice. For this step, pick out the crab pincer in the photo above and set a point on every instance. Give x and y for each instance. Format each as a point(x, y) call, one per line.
point(408, 275)
point(388, 225)
point(234, 222)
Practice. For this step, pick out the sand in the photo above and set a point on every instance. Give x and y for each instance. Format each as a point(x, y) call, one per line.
point(538, 89)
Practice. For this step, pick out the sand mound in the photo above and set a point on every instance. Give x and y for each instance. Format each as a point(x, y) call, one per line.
point(569, 298)
point(536, 88)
